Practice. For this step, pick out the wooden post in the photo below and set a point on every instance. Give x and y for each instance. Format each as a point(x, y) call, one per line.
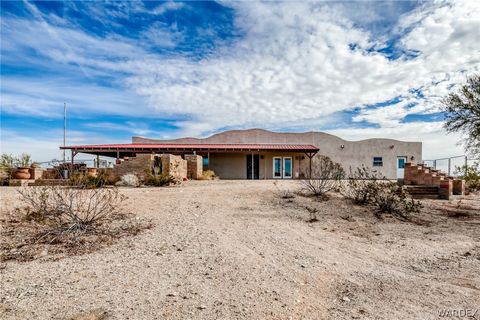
point(98, 161)
point(208, 162)
point(449, 159)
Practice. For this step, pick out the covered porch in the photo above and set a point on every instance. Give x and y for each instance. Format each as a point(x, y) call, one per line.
point(229, 161)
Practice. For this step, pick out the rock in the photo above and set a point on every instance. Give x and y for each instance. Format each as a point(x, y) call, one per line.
point(346, 299)
point(202, 307)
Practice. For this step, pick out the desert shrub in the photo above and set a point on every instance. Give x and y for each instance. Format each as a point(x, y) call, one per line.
point(283, 193)
point(208, 175)
point(88, 181)
point(71, 209)
point(312, 214)
point(325, 177)
point(360, 185)
point(160, 180)
point(471, 175)
point(390, 197)
point(129, 180)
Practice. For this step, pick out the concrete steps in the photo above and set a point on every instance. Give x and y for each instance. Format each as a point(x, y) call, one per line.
point(423, 192)
point(423, 176)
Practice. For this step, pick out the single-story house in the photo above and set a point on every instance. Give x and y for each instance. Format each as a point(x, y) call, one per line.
point(262, 154)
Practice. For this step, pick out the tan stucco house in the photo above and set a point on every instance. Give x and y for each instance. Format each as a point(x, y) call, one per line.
point(262, 154)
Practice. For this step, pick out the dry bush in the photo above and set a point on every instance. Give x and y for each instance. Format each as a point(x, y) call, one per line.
point(313, 214)
point(283, 193)
point(208, 175)
point(71, 209)
point(129, 180)
point(63, 220)
point(392, 198)
point(360, 185)
point(325, 177)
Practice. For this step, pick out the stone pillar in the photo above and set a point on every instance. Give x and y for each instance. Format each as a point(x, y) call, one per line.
point(194, 166)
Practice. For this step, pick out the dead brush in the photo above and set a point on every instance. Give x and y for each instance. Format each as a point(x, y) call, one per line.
point(312, 214)
point(325, 176)
point(283, 193)
point(70, 210)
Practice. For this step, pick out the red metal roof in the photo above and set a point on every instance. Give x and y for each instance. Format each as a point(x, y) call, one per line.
point(176, 146)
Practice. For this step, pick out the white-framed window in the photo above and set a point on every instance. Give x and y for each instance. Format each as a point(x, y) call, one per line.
point(287, 167)
point(377, 161)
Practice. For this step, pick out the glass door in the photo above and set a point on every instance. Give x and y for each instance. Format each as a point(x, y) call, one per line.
point(287, 167)
point(277, 167)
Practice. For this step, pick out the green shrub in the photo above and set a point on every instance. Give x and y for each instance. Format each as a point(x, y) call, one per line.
point(208, 175)
point(87, 181)
point(360, 185)
point(390, 197)
point(160, 180)
point(471, 175)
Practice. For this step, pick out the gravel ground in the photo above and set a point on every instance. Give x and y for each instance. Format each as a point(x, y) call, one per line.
point(235, 250)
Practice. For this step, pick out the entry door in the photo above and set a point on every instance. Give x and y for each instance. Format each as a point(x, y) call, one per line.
point(287, 167)
point(401, 167)
point(253, 167)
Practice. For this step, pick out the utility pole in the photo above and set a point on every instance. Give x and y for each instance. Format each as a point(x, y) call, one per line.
point(64, 129)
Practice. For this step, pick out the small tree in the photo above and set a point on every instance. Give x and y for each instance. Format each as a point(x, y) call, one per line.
point(325, 177)
point(471, 175)
point(462, 113)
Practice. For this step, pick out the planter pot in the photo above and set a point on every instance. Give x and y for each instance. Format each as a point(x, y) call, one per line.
point(92, 172)
point(22, 173)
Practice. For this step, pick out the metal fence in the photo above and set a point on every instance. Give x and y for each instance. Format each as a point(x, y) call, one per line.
point(452, 165)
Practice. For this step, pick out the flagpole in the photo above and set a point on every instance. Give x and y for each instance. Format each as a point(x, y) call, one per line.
point(64, 129)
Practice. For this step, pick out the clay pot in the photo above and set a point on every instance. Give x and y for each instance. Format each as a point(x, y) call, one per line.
point(92, 172)
point(22, 173)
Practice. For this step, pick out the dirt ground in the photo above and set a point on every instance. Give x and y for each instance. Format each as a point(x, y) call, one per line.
point(235, 250)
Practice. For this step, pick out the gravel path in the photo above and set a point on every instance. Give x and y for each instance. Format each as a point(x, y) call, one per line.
point(234, 250)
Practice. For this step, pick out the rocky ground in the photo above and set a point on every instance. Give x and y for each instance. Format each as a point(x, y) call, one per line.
point(236, 250)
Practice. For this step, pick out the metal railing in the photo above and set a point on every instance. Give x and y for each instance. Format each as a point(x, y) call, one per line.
point(451, 165)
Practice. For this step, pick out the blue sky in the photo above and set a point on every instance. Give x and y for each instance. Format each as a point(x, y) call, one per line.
point(170, 69)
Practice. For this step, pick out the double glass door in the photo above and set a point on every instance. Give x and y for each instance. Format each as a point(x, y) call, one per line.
point(282, 167)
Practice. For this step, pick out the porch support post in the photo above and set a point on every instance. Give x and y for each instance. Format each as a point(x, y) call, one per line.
point(310, 169)
point(208, 162)
point(118, 154)
point(98, 161)
point(74, 153)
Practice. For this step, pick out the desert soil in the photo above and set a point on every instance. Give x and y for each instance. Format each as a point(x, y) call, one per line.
point(235, 250)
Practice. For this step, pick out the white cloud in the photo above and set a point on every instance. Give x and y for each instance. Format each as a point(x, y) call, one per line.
point(292, 66)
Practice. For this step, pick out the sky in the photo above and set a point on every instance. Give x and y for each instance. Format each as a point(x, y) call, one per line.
point(356, 69)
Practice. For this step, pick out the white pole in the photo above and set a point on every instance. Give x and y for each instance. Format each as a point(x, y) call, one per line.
point(64, 129)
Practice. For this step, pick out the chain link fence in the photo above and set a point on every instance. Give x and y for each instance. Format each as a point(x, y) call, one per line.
point(452, 165)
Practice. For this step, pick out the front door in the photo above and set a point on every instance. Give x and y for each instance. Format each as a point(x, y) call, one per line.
point(253, 167)
point(401, 167)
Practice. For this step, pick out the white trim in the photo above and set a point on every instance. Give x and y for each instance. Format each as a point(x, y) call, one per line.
point(283, 168)
point(273, 168)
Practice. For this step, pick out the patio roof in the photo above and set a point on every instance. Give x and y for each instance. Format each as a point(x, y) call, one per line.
point(131, 149)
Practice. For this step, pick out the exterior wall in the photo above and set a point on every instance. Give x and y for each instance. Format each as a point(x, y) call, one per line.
point(138, 165)
point(234, 165)
point(350, 154)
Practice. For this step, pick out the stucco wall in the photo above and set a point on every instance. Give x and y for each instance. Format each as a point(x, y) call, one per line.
point(353, 154)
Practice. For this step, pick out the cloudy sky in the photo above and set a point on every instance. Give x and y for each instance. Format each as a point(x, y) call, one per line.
point(169, 69)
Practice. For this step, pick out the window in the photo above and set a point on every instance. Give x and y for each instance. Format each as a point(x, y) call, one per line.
point(205, 161)
point(377, 161)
